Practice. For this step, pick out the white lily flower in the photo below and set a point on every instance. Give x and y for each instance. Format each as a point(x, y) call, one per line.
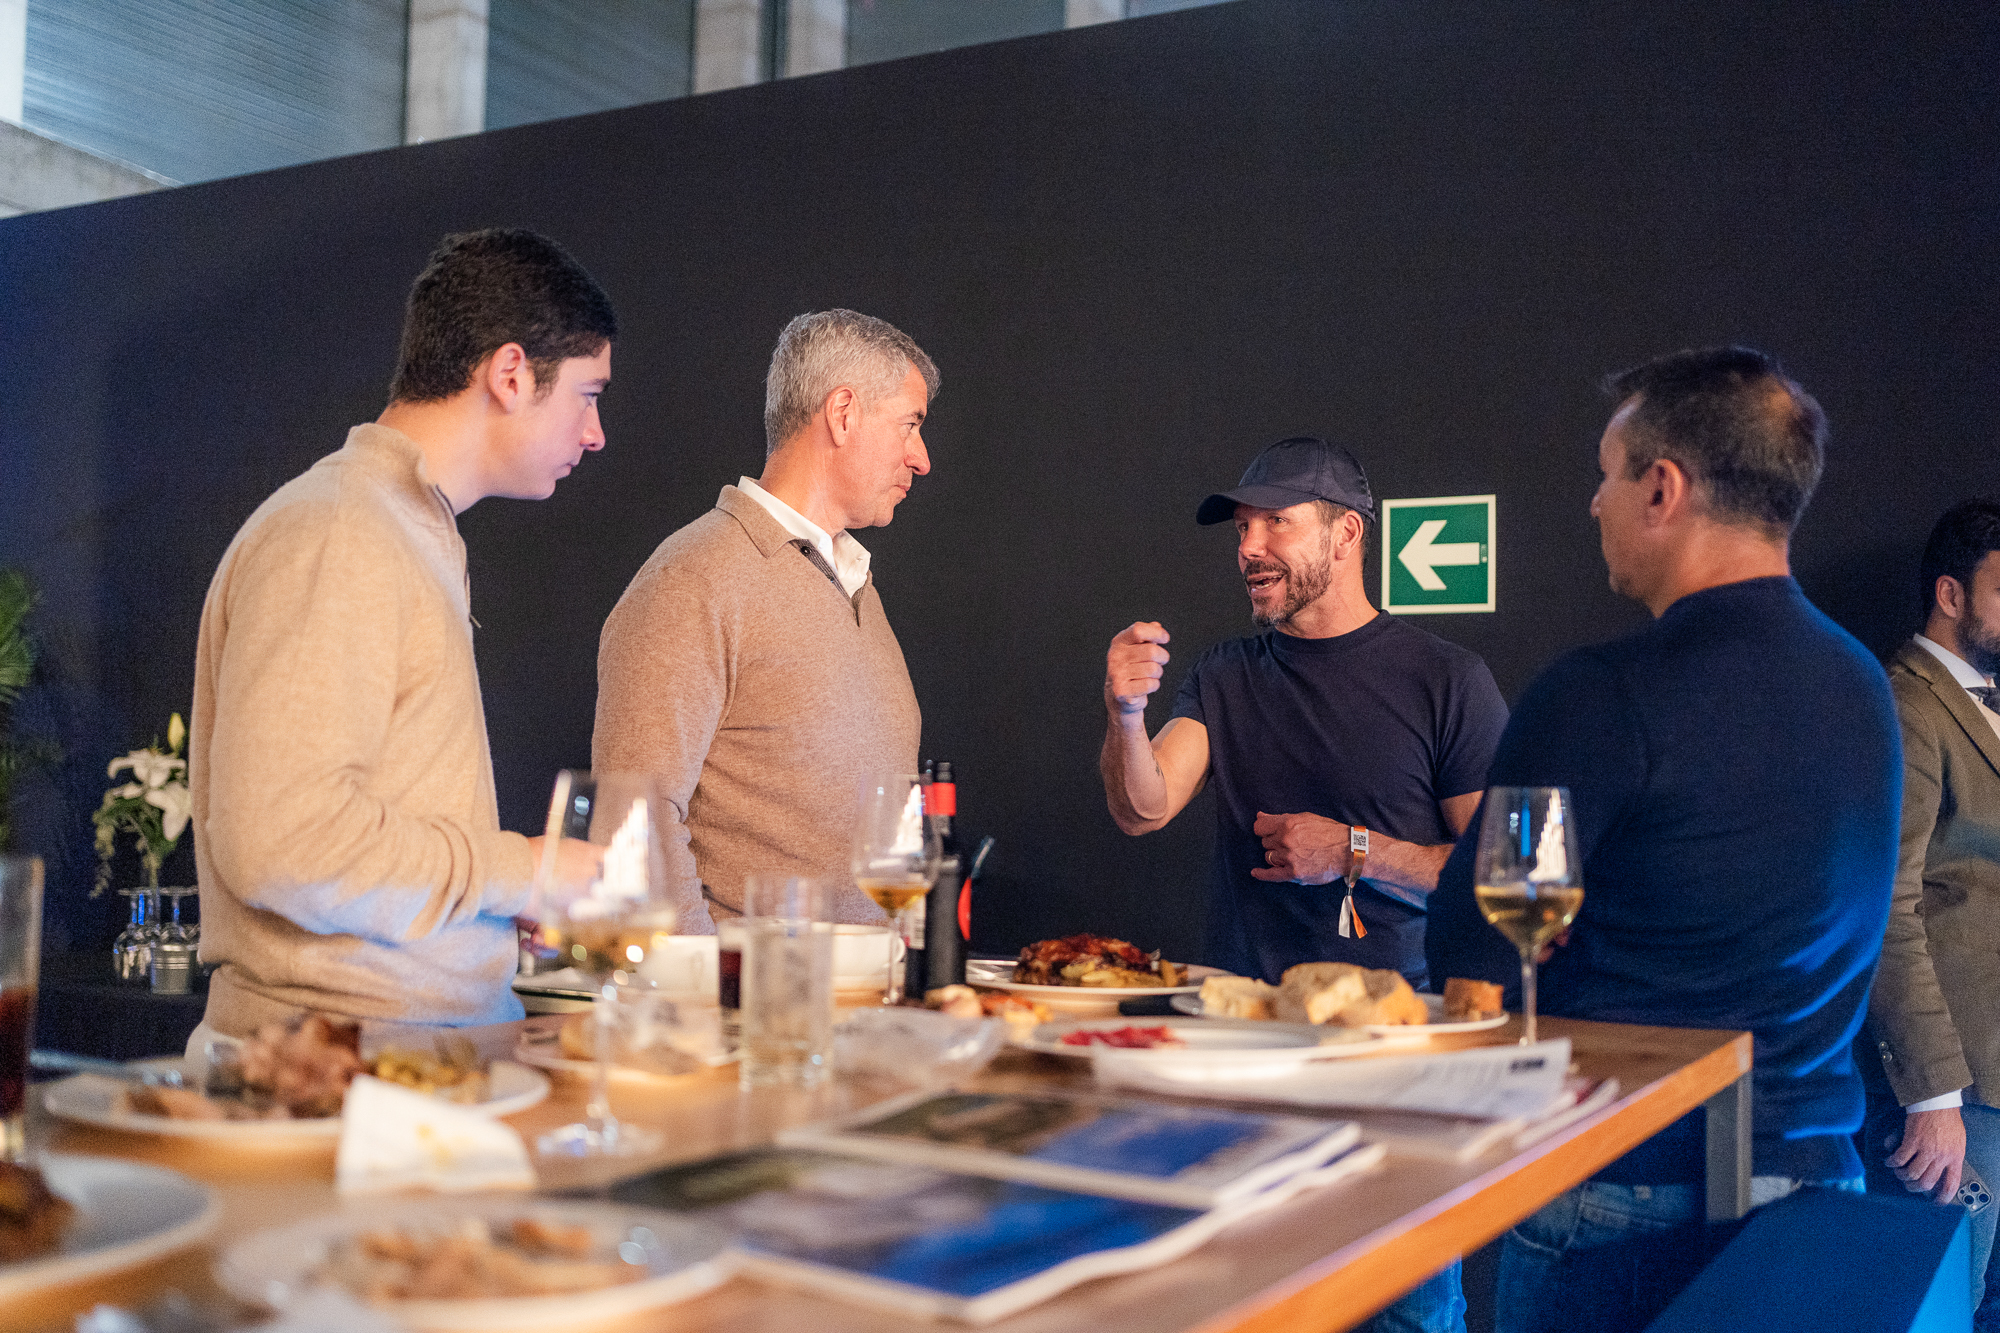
point(148, 766)
point(176, 732)
point(124, 793)
point(176, 807)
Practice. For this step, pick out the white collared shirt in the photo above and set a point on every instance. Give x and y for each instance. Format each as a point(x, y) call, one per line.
point(848, 557)
point(1961, 671)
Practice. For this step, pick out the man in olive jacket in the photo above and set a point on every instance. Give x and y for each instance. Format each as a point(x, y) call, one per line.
point(1935, 1010)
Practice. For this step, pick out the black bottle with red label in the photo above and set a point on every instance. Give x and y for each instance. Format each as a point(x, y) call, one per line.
point(943, 941)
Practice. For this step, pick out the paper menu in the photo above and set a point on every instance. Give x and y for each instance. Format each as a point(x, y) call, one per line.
point(1489, 1082)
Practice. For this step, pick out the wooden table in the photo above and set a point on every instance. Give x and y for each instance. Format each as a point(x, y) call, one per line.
point(1322, 1262)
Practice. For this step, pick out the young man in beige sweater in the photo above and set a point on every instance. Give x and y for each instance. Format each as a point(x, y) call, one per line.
point(348, 842)
point(749, 667)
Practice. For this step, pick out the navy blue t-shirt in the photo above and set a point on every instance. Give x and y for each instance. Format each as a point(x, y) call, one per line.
point(1737, 771)
point(1373, 727)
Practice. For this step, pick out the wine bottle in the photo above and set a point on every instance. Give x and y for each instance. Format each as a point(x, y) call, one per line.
point(944, 945)
point(916, 971)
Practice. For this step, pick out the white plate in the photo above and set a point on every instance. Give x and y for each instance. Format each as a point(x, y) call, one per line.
point(92, 1099)
point(1191, 1005)
point(275, 1267)
point(540, 1045)
point(572, 984)
point(126, 1213)
point(1221, 1041)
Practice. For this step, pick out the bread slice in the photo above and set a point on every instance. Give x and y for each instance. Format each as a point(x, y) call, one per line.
point(1237, 997)
point(1465, 1000)
point(1347, 995)
point(1319, 992)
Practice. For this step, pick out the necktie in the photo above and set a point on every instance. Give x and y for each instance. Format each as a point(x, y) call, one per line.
point(1986, 694)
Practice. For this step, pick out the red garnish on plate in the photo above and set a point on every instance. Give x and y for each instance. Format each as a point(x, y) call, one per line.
point(1125, 1038)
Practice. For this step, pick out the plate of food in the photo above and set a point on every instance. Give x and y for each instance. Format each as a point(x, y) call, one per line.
point(1218, 1040)
point(66, 1218)
point(1377, 1001)
point(287, 1081)
point(1087, 973)
point(484, 1264)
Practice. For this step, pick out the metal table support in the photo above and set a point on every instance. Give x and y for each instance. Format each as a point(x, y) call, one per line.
point(1729, 1151)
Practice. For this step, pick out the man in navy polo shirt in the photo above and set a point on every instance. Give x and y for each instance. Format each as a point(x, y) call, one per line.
point(1344, 745)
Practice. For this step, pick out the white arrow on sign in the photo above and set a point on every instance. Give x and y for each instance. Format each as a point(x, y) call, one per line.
point(1421, 555)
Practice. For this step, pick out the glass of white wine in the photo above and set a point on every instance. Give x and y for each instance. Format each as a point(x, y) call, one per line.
point(896, 855)
point(601, 909)
point(1528, 877)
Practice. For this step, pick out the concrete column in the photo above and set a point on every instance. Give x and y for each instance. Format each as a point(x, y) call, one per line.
point(445, 89)
point(1083, 13)
point(728, 47)
point(13, 57)
point(816, 41)
point(38, 172)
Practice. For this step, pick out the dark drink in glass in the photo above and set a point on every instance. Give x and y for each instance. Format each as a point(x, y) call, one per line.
point(729, 977)
point(20, 959)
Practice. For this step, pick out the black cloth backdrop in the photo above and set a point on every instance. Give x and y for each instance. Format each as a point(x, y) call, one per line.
point(1138, 252)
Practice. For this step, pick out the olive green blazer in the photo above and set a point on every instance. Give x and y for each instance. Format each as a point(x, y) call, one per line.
point(1935, 1008)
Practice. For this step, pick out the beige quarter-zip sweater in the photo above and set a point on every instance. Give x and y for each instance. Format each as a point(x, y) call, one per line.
point(760, 696)
point(347, 837)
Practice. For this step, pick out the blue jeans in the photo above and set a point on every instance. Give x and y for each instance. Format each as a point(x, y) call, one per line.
point(1612, 1257)
point(1982, 1154)
point(1436, 1305)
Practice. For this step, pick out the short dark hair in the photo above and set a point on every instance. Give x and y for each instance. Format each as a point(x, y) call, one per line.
point(1966, 534)
point(480, 291)
point(1751, 439)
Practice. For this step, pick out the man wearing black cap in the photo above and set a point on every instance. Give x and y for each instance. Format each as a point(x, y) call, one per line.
point(1344, 744)
point(1347, 749)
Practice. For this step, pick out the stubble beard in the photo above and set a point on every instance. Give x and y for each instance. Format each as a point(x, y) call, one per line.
point(1303, 586)
point(1981, 642)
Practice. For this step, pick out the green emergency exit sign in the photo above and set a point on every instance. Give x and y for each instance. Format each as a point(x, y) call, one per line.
point(1437, 554)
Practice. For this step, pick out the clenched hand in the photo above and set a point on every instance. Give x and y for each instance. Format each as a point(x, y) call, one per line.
point(1134, 666)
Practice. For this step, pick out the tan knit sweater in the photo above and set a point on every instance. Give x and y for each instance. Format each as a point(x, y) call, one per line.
point(760, 697)
point(346, 833)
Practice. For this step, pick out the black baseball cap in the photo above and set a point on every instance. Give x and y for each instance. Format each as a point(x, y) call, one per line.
point(1291, 472)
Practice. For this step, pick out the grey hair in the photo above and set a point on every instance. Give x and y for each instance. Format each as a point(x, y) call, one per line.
point(818, 353)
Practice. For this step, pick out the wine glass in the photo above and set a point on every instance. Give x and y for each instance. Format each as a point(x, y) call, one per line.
point(1528, 877)
point(132, 951)
point(601, 907)
point(896, 855)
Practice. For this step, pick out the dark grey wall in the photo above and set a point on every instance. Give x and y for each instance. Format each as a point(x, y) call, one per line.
point(1138, 252)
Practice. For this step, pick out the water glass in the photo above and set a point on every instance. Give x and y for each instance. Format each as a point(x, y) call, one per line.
point(787, 985)
point(20, 962)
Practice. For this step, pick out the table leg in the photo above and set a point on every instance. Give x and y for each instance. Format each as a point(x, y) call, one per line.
point(1729, 1152)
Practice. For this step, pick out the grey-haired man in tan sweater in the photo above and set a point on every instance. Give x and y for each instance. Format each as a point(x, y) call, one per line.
point(749, 666)
point(348, 840)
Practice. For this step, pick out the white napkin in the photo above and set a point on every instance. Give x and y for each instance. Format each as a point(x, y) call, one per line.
point(392, 1138)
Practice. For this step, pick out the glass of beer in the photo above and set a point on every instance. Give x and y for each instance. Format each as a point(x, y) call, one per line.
point(896, 856)
point(20, 959)
point(1528, 877)
point(600, 908)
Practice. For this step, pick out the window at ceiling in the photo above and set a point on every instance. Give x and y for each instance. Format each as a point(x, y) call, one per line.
point(551, 58)
point(196, 89)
